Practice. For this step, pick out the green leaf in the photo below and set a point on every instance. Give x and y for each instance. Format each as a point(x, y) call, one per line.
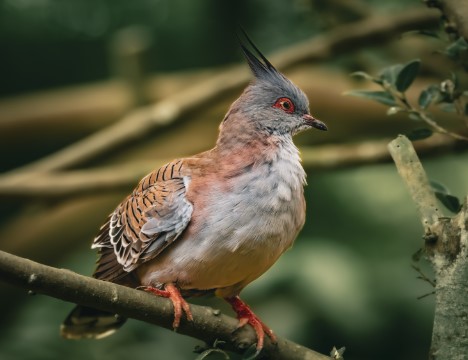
point(390, 74)
point(379, 96)
point(419, 134)
point(361, 74)
point(429, 96)
point(450, 202)
point(366, 76)
point(407, 75)
point(438, 187)
point(455, 49)
point(442, 193)
point(425, 98)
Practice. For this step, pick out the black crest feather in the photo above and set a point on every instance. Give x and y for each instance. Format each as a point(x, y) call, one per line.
point(268, 79)
point(262, 70)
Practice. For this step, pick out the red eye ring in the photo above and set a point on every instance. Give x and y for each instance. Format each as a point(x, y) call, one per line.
point(284, 104)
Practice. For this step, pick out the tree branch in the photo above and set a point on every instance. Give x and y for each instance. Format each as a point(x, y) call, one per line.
point(411, 171)
point(449, 256)
point(446, 244)
point(141, 122)
point(208, 324)
point(123, 177)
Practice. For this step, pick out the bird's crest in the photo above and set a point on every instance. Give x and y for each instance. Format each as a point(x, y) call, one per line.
point(260, 66)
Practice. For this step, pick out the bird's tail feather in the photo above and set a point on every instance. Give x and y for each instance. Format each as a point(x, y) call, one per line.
point(87, 323)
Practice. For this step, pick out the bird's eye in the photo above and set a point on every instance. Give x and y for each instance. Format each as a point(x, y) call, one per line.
point(284, 104)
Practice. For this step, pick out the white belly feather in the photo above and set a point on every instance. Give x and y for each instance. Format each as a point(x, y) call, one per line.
point(249, 228)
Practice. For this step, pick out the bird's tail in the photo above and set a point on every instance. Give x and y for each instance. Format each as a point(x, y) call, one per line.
point(87, 323)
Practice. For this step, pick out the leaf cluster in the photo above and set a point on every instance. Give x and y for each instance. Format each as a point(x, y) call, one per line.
point(448, 95)
point(396, 77)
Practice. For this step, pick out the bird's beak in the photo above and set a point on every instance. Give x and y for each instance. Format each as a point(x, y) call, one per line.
point(311, 121)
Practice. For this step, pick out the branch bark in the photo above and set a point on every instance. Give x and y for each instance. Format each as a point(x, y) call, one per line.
point(208, 324)
point(449, 256)
point(446, 245)
point(411, 171)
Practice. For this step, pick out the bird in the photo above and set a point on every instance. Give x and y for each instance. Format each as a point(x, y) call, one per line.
point(213, 222)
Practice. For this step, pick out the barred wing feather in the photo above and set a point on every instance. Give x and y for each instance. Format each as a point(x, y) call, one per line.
point(145, 223)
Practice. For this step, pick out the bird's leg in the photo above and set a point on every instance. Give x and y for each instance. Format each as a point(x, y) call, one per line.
point(170, 291)
point(247, 316)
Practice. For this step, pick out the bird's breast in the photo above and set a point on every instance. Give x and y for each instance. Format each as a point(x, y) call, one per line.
point(240, 225)
point(254, 216)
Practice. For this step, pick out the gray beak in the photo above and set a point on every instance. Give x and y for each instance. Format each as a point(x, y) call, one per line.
point(313, 122)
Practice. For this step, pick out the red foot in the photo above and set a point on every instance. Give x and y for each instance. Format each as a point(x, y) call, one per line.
point(171, 292)
point(246, 316)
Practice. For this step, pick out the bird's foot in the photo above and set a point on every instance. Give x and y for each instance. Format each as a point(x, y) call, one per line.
point(180, 305)
point(247, 316)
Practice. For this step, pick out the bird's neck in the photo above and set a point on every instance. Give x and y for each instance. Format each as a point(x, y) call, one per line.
point(238, 150)
point(240, 140)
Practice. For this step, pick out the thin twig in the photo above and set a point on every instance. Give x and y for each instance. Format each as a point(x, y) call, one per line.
point(425, 295)
point(423, 115)
point(422, 276)
point(426, 118)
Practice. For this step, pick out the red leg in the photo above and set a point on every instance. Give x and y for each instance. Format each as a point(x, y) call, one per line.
point(170, 291)
point(247, 316)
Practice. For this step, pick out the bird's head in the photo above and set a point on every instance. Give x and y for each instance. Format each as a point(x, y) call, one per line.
point(272, 101)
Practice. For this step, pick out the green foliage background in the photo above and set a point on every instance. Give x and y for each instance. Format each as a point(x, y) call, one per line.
point(347, 281)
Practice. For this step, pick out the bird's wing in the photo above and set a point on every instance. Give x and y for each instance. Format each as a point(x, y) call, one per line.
point(151, 218)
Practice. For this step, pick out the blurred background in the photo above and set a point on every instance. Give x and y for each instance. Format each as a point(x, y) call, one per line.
point(70, 69)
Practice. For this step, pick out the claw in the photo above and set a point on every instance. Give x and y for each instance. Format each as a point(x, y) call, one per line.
point(247, 316)
point(180, 305)
point(242, 322)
